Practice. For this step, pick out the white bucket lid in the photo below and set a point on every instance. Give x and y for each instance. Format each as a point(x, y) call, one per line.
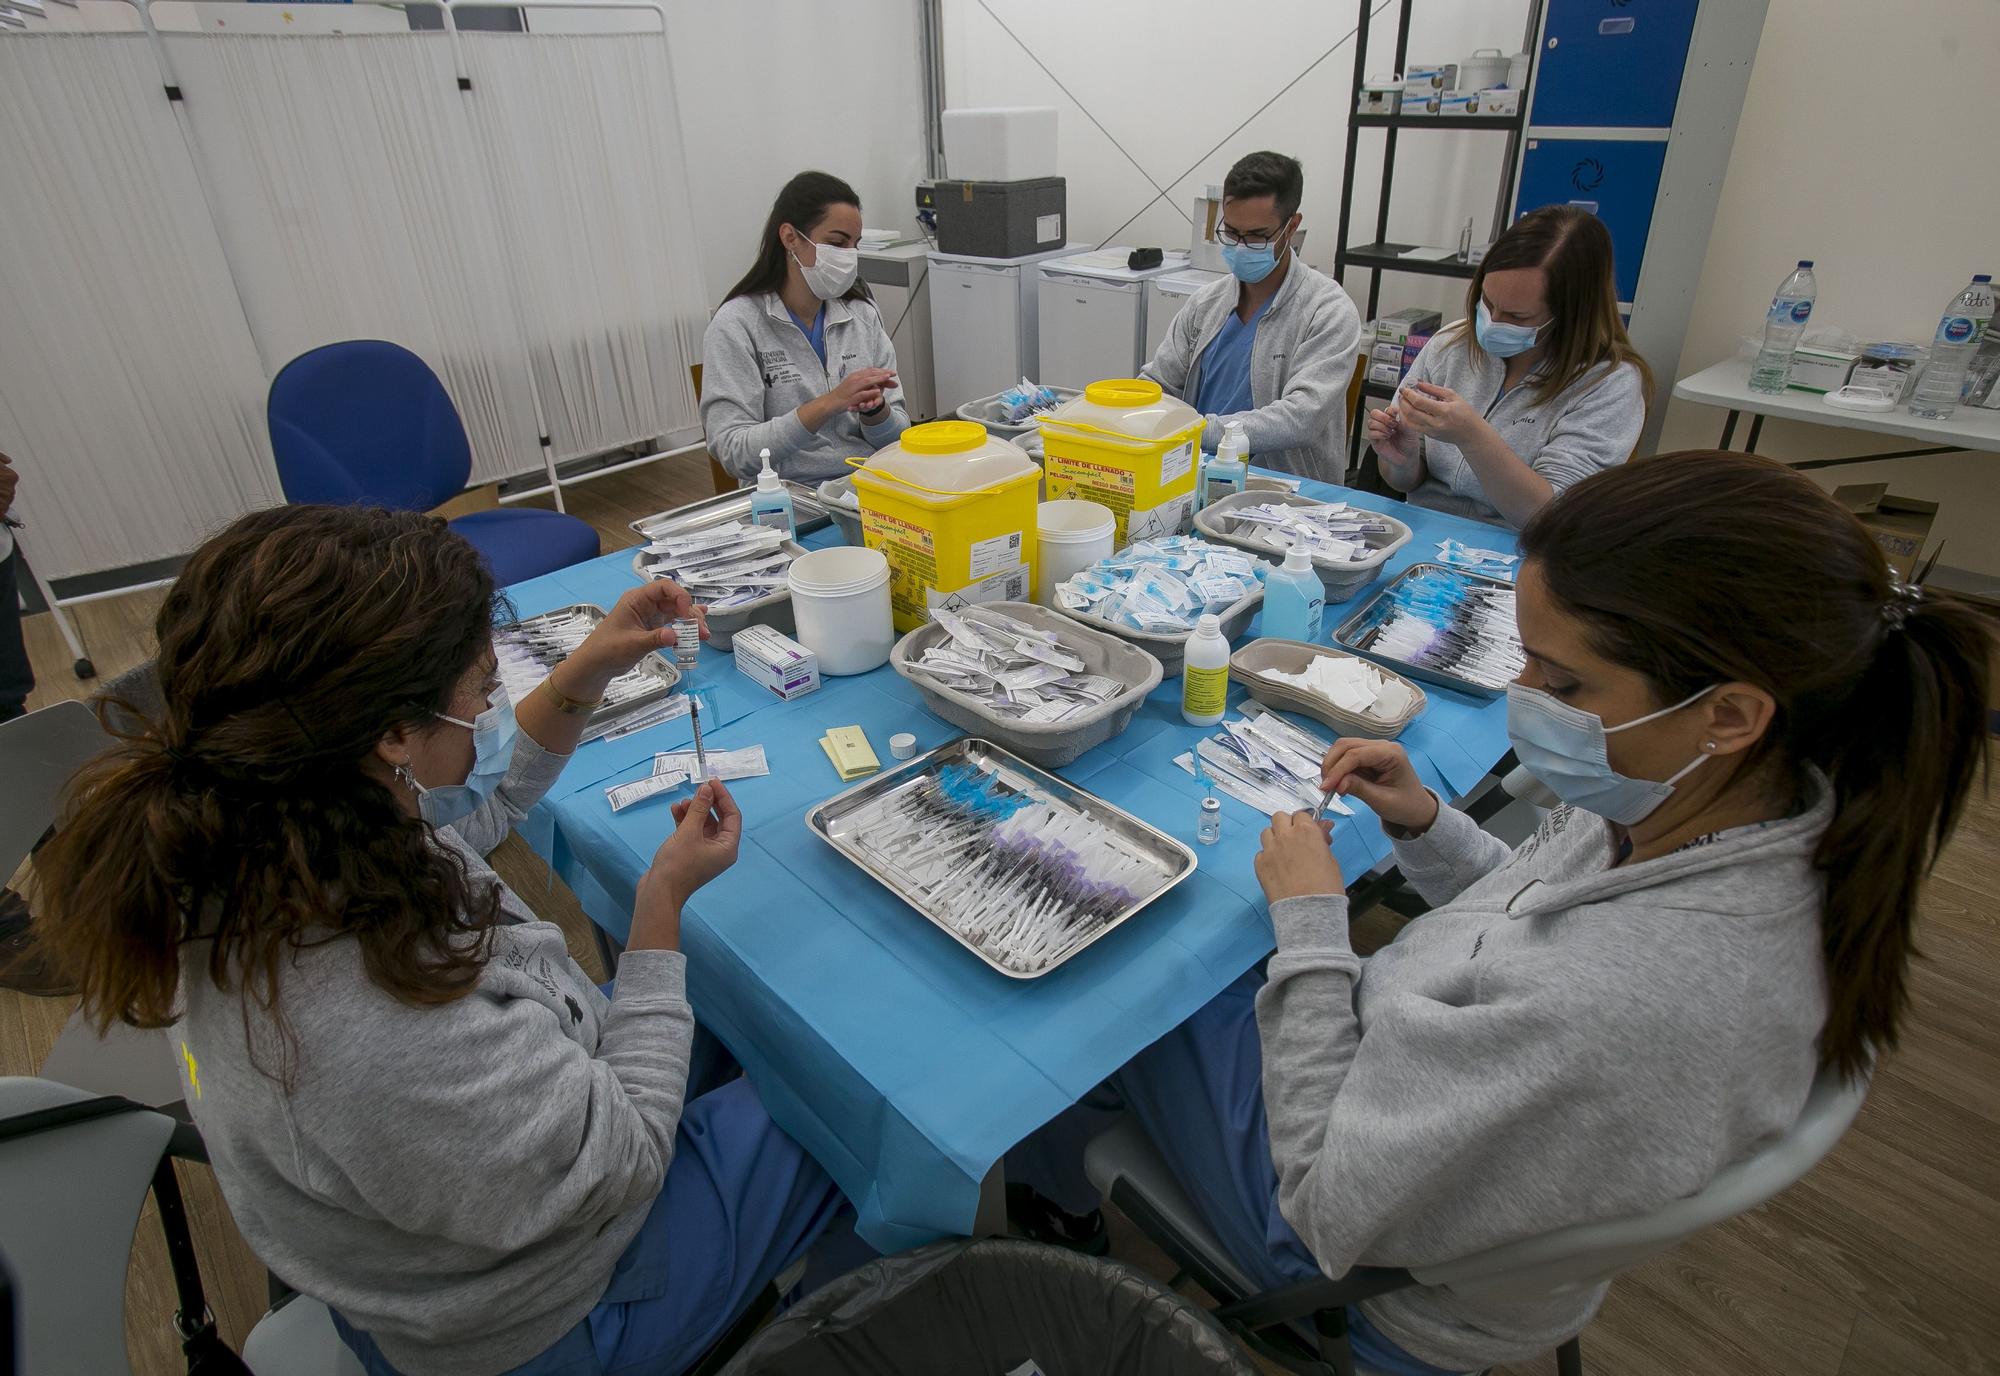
point(837, 571)
point(1072, 521)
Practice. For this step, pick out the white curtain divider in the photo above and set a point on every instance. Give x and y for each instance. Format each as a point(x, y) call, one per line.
point(131, 396)
point(352, 200)
point(578, 133)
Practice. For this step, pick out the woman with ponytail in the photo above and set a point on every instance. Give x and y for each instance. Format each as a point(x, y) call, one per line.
point(1761, 740)
point(420, 1109)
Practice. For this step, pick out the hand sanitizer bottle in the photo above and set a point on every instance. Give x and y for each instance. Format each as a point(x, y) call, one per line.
point(771, 505)
point(1227, 472)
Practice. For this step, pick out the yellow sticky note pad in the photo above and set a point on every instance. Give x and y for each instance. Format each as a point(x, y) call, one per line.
point(848, 749)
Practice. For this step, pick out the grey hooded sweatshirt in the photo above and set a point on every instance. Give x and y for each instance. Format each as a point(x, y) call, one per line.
point(1300, 364)
point(1559, 1042)
point(458, 1180)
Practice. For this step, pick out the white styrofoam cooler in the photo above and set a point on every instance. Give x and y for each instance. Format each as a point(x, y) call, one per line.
point(1000, 143)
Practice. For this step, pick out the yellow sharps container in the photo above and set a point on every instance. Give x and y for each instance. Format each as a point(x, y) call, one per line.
point(1127, 444)
point(953, 510)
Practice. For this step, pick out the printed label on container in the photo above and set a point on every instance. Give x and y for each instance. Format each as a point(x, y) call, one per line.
point(1204, 692)
point(911, 550)
point(1176, 464)
point(1011, 586)
point(1048, 228)
point(1168, 518)
point(772, 520)
point(997, 554)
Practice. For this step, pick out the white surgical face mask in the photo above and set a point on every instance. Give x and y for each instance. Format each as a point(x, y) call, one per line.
point(1564, 747)
point(833, 270)
point(492, 751)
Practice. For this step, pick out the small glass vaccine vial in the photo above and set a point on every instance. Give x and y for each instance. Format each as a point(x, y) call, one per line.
point(687, 643)
point(1210, 829)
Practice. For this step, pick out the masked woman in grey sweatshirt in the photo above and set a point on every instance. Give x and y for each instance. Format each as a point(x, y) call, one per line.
point(796, 360)
point(1537, 388)
point(1761, 738)
point(420, 1110)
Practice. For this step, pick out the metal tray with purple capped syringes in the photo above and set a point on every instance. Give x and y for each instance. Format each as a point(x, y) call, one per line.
point(1022, 868)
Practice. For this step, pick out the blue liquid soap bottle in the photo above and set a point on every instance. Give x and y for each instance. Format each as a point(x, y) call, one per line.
point(1294, 599)
point(771, 504)
point(1226, 473)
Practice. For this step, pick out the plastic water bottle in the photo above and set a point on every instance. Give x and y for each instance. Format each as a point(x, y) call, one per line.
point(1294, 599)
point(1228, 470)
point(1205, 674)
point(1786, 321)
point(1958, 336)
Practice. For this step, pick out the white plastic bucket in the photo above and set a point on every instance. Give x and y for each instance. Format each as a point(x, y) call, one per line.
point(1073, 535)
point(840, 602)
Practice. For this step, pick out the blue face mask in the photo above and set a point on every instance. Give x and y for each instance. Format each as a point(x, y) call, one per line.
point(1502, 340)
point(492, 751)
point(1564, 747)
point(1252, 264)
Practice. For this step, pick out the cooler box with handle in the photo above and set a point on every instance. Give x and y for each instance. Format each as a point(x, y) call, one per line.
point(953, 510)
point(1126, 444)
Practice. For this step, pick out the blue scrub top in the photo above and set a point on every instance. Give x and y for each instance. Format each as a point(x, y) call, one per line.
point(815, 333)
point(1225, 366)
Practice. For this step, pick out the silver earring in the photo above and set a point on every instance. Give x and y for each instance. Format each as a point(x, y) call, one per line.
point(1709, 746)
point(406, 778)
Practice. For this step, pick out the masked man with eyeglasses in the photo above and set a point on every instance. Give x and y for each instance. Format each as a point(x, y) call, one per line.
point(1272, 345)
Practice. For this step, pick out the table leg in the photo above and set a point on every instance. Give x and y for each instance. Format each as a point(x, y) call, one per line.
point(1728, 430)
point(1756, 429)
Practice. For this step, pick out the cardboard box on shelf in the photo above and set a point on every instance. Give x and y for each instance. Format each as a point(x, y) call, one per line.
point(1901, 525)
point(1397, 328)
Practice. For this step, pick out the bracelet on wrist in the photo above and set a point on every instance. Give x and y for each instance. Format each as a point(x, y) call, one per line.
point(564, 703)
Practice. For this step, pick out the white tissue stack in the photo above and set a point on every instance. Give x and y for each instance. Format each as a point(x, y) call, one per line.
point(1352, 685)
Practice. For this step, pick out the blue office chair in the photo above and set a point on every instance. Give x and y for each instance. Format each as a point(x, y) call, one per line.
point(365, 421)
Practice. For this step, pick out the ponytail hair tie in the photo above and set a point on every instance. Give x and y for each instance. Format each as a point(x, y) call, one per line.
point(1903, 599)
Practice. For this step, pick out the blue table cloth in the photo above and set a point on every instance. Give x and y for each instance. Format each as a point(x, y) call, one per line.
point(903, 1064)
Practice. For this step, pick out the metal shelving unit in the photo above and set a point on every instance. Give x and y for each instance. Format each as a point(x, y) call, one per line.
point(1382, 254)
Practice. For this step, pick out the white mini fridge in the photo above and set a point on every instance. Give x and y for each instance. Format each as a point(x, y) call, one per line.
point(1165, 295)
point(1093, 317)
point(897, 277)
point(983, 325)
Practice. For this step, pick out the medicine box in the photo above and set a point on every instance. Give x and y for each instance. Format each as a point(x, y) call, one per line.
point(1501, 100)
point(1385, 351)
point(1380, 98)
point(1819, 370)
point(776, 661)
point(1420, 80)
point(1388, 374)
point(1000, 143)
point(1397, 328)
point(1413, 346)
point(999, 219)
point(1457, 103)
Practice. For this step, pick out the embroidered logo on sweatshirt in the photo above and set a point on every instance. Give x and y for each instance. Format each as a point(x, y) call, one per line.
point(1477, 942)
point(575, 1010)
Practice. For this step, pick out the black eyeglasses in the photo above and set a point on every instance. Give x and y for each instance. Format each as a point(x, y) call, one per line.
point(1255, 239)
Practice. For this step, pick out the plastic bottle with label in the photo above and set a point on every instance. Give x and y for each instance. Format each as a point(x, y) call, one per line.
point(1957, 339)
point(1228, 469)
point(771, 503)
point(1294, 599)
point(1205, 674)
point(1784, 323)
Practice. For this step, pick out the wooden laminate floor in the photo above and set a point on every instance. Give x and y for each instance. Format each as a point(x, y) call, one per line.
point(1885, 1261)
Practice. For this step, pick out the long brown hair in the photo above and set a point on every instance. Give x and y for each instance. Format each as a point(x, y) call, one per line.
point(292, 643)
point(802, 203)
point(1573, 249)
point(1706, 567)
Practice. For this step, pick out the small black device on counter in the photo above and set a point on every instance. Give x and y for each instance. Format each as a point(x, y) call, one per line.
point(1143, 258)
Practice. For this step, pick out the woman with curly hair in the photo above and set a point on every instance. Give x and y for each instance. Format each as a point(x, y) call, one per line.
point(420, 1109)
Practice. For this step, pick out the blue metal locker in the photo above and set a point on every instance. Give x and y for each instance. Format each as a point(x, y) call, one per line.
point(1611, 63)
point(1616, 179)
